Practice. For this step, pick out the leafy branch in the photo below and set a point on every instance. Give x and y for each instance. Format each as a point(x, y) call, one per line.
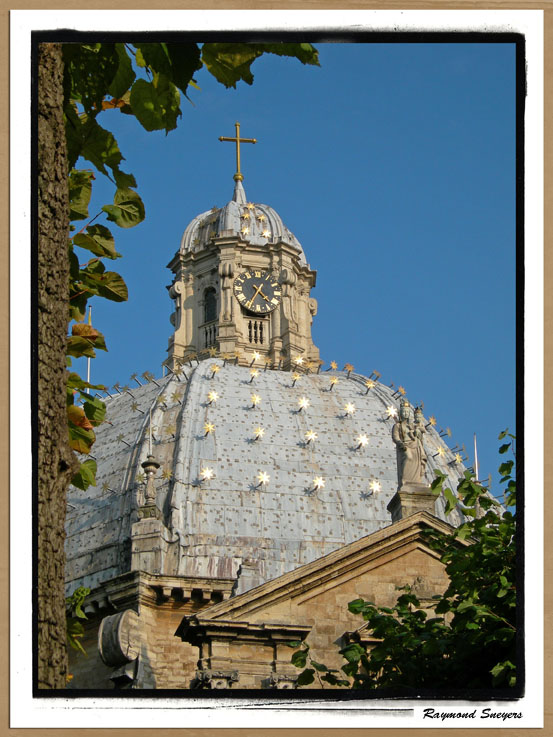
point(465, 637)
point(75, 615)
point(302, 658)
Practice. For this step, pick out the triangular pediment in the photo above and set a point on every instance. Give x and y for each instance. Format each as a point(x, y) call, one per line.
point(401, 547)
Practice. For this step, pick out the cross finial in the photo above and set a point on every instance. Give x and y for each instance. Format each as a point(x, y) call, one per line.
point(238, 177)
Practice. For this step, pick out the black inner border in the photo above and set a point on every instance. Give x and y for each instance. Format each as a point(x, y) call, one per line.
point(278, 696)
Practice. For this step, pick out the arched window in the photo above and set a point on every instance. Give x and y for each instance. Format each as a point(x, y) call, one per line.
point(210, 305)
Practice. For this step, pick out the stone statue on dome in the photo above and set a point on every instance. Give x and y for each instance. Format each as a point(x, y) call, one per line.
point(407, 435)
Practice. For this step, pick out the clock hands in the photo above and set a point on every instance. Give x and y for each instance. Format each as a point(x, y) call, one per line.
point(257, 291)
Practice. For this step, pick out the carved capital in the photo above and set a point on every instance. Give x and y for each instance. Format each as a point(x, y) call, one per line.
point(282, 680)
point(288, 277)
point(226, 269)
point(216, 679)
point(146, 511)
point(175, 289)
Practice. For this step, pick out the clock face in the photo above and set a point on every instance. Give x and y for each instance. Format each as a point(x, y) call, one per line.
point(257, 291)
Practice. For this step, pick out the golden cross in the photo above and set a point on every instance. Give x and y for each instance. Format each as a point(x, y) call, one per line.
point(238, 177)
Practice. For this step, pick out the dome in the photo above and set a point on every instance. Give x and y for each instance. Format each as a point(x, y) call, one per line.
point(239, 524)
point(257, 224)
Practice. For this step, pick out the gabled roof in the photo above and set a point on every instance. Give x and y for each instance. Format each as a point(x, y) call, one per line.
point(347, 562)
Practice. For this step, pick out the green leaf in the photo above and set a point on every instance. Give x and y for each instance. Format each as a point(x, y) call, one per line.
point(81, 440)
point(156, 103)
point(451, 499)
point(73, 133)
point(304, 52)
point(299, 658)
point(86, 475)
point(124, 76)
point(127, 209)
point(139, 58)
point(73, 603)
point(185, 60)
point(305, 677)
point(81, 83)
point(75, 630)
point(501, 671)
point(98, 241)
point(155, 56)
point(230, 62)
point(74, 381)
point(73, 639)
point(378, 654)
point(506, 468)
point(352, 652)
point(109, 285)
point(356, 606)
point(122, 180)
point(73, 263)
point(463, 532)
point(100, 147)
point(295, 644)
point(80, 190)
point(77, 346)
point(505, 447)
point(95, 410)
point(350, 669)
point(430, 647)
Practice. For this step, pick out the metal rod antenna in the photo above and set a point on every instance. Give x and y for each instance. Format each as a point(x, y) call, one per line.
point(475, 458)
point(88, 359)
point(150, 434)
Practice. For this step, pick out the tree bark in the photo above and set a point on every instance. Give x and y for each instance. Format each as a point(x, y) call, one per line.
point(56, 461)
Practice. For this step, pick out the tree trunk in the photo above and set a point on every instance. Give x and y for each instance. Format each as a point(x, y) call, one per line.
point(56, 461)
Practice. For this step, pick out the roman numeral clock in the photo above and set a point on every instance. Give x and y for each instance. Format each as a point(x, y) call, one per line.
point(257, 291)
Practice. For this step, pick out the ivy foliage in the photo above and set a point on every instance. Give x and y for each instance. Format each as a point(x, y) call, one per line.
point(467, 637)
point(144, 80)
point(75, 615)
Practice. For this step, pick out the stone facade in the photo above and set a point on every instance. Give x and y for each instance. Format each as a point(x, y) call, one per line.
point(177, 638)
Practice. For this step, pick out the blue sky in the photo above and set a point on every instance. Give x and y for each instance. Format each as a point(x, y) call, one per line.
point(394, 166)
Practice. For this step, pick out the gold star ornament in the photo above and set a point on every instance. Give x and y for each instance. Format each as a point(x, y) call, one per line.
point(263, 478)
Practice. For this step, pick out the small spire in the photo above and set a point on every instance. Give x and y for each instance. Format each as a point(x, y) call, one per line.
point(239, 195)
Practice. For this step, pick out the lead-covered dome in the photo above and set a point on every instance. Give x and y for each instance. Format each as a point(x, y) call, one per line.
point(254, 223)
point(321, 491)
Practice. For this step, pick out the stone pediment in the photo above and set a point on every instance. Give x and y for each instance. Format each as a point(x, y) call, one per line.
point(339, 570)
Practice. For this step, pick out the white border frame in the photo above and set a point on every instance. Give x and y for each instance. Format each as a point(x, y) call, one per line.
point(114, 713)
